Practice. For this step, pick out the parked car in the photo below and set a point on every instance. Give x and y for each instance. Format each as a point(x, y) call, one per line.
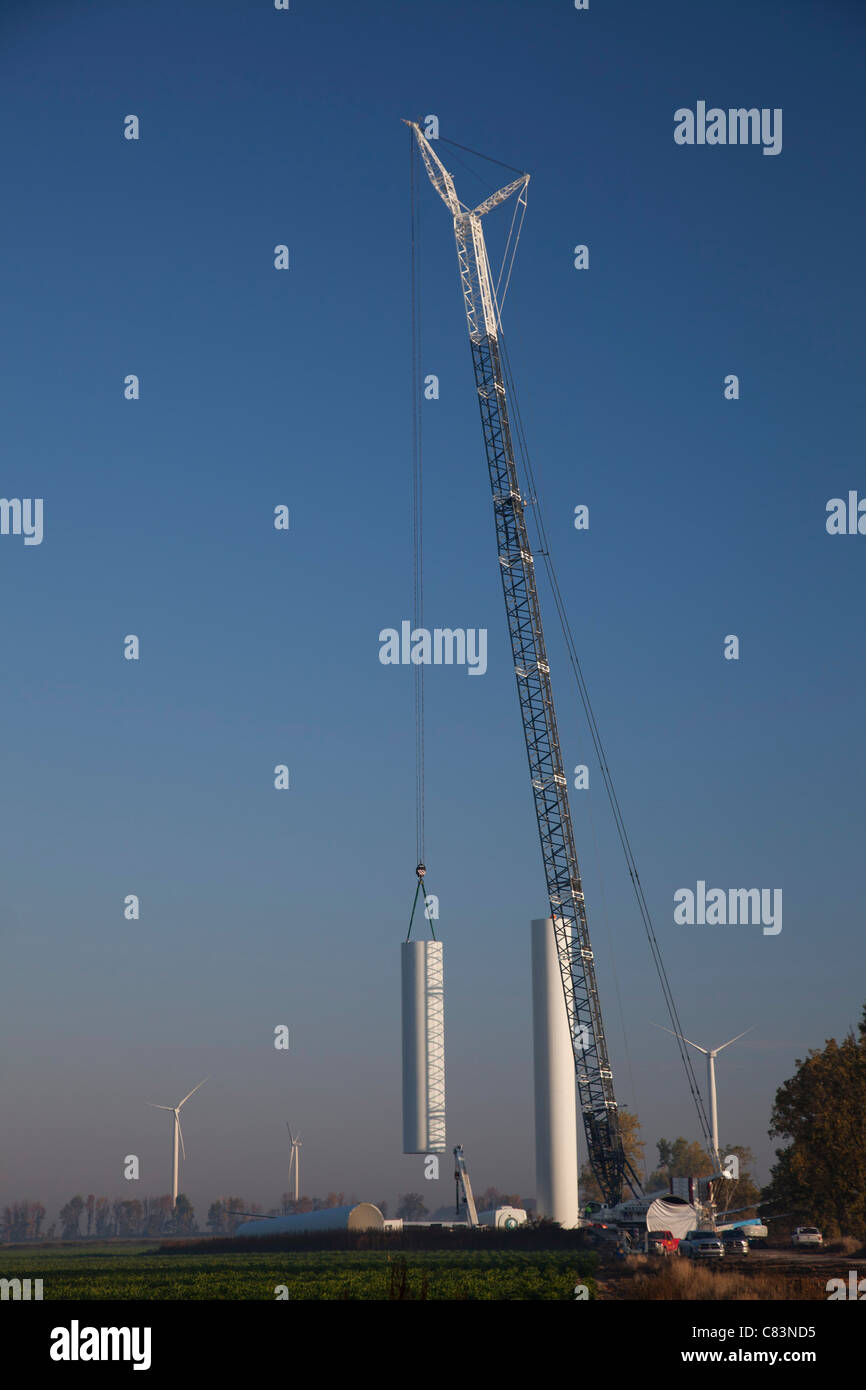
point(735, 1243)
point(807, 1235)
point(661, 1243)
point(702, 1245)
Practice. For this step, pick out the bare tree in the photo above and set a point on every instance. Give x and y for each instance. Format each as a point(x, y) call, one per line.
point(37, 1216)
point(184, 1216)
point(70, 1217)
point(411, 1206)
point(102, 1216)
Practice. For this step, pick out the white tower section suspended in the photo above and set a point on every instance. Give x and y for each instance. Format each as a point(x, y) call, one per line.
point(555, 1101)
point(423, 1047)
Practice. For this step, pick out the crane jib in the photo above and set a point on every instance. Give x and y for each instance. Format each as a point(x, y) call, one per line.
point(532, 672)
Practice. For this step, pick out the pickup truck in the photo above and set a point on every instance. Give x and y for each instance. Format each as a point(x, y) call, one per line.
point(661, 1243)
point(702, 1245)
point(735, 1243)
point(807, 1235)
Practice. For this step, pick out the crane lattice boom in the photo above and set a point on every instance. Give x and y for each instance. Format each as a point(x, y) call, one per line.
point(532, 670)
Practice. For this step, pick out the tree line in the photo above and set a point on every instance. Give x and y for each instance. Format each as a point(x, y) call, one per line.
point(88, 1218)
point(94, 1217)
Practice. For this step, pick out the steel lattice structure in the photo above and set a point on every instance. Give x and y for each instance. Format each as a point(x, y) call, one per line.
point(435, 1031)
point(532, 670)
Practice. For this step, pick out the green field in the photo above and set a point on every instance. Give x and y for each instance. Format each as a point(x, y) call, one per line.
point(132, 1271)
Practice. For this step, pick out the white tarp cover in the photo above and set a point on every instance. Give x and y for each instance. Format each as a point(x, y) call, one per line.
point(671, 1214)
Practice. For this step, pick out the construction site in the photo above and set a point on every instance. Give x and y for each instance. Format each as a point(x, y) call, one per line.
point(573, 1077)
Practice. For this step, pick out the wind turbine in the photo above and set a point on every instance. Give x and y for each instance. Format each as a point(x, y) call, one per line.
point(294, 1158)
point(177, 1133)
point(711, 1053)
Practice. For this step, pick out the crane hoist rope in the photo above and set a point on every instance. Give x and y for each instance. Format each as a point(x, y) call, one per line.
point(417, 526)
point(417, 500)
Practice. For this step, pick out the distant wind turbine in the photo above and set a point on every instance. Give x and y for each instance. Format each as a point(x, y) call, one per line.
point(710, 1053)
point(294, 1159)
point(177, 1133)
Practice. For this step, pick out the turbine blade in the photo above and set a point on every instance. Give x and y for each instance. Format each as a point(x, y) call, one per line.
point(179, 1131)
point(159, 1107)
point(192, 1093)
point(684, 1038)
point(733, 1040)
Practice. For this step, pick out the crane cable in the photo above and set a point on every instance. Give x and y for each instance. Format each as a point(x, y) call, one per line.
point(595, 734)
point(417, 519)
point(519, 202)
point(610, 947)
point(417, 494)
point(489, 157)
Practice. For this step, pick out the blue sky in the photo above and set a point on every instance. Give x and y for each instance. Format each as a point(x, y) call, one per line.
point(261, 387)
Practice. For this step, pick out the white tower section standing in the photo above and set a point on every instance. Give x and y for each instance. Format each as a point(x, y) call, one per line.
point(555, 1105)
point(423, 1048)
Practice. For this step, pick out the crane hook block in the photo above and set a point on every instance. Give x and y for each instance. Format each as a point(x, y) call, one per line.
point(421, 871)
